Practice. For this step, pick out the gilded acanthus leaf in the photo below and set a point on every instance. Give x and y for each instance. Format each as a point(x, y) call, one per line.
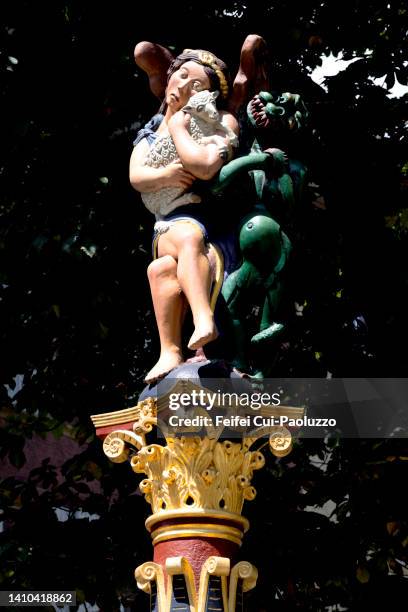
point(193, 472)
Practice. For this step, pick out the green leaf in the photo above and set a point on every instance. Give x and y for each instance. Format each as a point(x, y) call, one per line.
point(58, 432)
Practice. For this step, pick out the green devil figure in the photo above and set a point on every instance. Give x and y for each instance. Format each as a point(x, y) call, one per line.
point(254, 291)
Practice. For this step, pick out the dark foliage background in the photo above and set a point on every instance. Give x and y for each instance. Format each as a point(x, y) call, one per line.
point(77, 330)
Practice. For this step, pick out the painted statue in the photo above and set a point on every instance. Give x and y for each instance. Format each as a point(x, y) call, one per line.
point(179, 164)
point(181, 270)
point(220, 246)
point(255, 290)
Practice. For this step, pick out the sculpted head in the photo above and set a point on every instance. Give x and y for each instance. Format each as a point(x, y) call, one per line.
point(276, 114)
point(202, 104)
point(192, 71)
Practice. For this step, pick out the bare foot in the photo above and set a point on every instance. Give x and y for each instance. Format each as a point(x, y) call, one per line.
point(167, 362)
point(204, 333)
point(199, 356)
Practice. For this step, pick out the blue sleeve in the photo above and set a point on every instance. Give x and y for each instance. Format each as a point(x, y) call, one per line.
point(149, 130)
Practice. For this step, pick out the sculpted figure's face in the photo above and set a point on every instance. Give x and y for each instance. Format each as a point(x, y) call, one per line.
point(189, 79)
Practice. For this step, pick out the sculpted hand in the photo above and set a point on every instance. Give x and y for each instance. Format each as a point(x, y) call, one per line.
point(177, 176)
point(178, 120)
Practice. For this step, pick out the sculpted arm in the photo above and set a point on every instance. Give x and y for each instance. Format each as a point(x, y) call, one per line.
point(252, 73)
point(203, 161)
point(154, 60)
point(146, 179)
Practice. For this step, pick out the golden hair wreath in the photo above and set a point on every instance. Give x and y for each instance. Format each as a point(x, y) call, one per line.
point(208, 59)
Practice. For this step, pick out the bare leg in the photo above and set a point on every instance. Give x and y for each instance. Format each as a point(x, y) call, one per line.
point(184, 241)
point(169, 307)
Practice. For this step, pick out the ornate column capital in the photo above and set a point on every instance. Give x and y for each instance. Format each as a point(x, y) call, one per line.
point(196, 486)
